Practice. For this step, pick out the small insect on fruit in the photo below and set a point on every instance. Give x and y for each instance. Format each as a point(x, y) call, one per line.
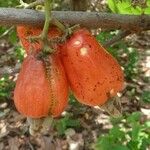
point(93, 74)
point(25, 34)
point(41, 89)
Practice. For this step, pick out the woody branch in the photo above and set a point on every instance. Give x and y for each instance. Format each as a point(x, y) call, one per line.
point(12, 16)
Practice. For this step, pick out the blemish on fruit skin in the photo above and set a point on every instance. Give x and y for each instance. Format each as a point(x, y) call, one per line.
point(98, 82)
point(77, 43)
point(111, 81)
point(77, 54)
point(83, 51)
point(90, 46)
point(112, 91)
point(91, 100)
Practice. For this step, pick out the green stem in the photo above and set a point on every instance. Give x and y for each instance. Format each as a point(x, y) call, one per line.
point(48, 7)
point(58, 24)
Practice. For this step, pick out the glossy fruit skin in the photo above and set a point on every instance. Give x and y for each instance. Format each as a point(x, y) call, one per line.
point(93, 74)
point(24, 32)
point(37, 95)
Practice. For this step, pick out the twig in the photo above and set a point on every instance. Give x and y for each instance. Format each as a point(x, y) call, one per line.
point(6, 32)
point(31, 5)
point(12, 16)
point(22, 4)
point(37, 2)
point(119, 36)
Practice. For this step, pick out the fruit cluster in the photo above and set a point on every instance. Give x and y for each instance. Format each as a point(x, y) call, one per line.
point(80, 63)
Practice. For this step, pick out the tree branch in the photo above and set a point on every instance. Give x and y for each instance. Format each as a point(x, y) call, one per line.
point(12, 16)
point(118, 37)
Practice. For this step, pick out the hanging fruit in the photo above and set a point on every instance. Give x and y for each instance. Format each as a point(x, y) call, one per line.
point(93, 74)
point(34, 46)
point(41, 88)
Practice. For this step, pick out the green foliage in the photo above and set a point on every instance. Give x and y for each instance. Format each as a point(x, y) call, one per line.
point(146, 96)
point(127, 133)
point(73, 101)
point(103, 37)
point(129, 7)
point(12, 37)
point(9, 3)
point(6, 82)
point(13, 56)
point(19, 53)
point(67, 122)
point(2, 30)
point(6, 87)
point(130, 67)
point(9, 34)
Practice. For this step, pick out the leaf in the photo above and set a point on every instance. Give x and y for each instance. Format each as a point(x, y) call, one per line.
point(13, 37)
point(2, 30)
point(147, 124)
point(19, 53)
point(117, 120)
point(103, 36)
point(145, 144)
point(6, 3)
point(146, 96)
point(136, 128)
point(6, 86)
point(112, 5)
point(147, 10)
point(120, 147)
point(104, 143)
point(72, 123)
point(131, 67)
point(137, 10)
point(148, 3)
point(65, 123)
point(61, 127)
point(124, 7)
point(132, 145)
point(117, 134)
point(134, 117)
point(73, 101)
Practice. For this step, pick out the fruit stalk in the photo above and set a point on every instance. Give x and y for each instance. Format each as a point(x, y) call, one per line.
point(48, 7)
